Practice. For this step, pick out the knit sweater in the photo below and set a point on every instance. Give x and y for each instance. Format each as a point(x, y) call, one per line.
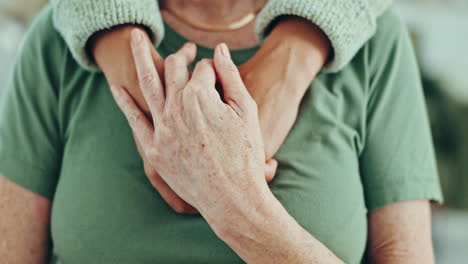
point(347, 23)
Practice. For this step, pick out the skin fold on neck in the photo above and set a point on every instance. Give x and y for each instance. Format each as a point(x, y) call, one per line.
point(214, 12)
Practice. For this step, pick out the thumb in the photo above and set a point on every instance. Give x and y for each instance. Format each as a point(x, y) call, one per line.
point(270, 169)
point(234, 91)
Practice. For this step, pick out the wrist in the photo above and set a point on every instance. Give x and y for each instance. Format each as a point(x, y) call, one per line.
point(112, 52)
point(238, 206)
point(267, 232)
point(242, 216)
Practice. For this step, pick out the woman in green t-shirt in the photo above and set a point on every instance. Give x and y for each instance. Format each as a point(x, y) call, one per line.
point(356, 170)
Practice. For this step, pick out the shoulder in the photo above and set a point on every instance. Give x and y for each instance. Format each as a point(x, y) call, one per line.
point(390, 39)
point(390, 21)
point(43, 54)
point(42, 43)
point(42, 30)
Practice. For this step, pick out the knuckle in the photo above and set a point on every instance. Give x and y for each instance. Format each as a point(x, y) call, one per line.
point(148, 80)
point(136, 117)
point(195, 87)
point(127, 101)
point(172, 60)
point(230, 67)
point(153, 97)
point(153, 154)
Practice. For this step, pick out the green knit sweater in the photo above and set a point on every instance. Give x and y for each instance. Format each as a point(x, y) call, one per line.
point(347, 23)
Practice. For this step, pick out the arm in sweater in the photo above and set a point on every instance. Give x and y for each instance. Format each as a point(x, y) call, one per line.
point(347, 23)
point(277, 76)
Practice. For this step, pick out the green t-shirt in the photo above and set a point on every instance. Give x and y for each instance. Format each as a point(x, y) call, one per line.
point(361, 141)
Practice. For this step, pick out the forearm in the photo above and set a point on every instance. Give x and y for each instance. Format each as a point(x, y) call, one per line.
point(279, 75)
point(24, 225)
point(406, 237)
point(266, 233)
point(301, 49)
point(308, 45)
point(112, 52)
point(347, 23)
point(78, 20)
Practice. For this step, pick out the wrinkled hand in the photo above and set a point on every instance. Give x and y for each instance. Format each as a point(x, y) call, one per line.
point(209, 152)
point(171, 198)
point(178, 204)
point(276, 77)
point(109, 50)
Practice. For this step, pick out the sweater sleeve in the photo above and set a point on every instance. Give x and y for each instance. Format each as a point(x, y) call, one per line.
point(347, 23)
point(78, 20)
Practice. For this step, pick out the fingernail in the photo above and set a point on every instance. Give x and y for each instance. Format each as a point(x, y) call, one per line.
point(137, 36)
point(225, 50)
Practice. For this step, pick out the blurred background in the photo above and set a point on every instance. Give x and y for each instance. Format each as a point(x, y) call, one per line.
point(440, 33)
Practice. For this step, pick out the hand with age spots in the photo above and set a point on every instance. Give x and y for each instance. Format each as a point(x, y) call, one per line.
point(276, 77)
point(176, 77)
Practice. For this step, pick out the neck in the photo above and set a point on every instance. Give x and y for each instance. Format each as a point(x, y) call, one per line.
point(214, 12)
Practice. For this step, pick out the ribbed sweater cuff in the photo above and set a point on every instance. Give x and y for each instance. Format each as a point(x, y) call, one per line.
point(77, 21)
point(347, 23)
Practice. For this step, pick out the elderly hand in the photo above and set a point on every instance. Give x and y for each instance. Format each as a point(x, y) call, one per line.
point(208, 151)
point(276, 77)
point(106, 47)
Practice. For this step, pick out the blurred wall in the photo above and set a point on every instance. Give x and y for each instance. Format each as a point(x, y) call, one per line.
point(14, 17)
point(441, 28)
point(22, 10)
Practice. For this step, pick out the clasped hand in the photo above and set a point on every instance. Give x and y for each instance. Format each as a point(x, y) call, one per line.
point(207, 149)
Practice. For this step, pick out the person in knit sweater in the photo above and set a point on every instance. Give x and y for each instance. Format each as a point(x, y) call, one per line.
point(356, 170)
point(304, 38)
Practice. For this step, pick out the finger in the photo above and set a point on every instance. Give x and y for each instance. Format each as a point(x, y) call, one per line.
point(201, 88)
point(148, 77)
point(176, 71)
point(171, 198)
point(235, 93)
point(270, 169)
point(138, 121)
point(159, 62)
point(204, 73)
